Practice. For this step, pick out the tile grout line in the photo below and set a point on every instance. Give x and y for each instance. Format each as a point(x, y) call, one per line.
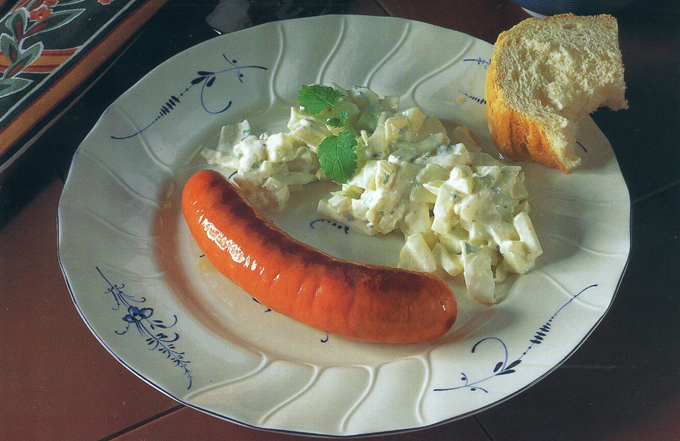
point(483, 428)
point(656, 192)
point(381, 6)
point(142, 423)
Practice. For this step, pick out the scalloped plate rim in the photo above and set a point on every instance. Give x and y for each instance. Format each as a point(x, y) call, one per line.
point(132, 366)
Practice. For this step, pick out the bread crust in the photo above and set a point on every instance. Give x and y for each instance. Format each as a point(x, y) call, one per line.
point(516, 135)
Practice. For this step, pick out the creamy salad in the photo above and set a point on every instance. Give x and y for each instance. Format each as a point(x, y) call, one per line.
point(463, 213)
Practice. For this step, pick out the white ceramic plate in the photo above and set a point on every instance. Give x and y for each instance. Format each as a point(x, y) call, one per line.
point(137, 278)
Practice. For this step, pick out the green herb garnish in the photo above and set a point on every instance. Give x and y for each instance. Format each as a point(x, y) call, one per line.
point(469, 248)
point(337, 153)
point(338, 121)
point(315, 99)
point(338, 157)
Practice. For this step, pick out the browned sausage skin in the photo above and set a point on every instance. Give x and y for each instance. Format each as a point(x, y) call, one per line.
point(349, 299)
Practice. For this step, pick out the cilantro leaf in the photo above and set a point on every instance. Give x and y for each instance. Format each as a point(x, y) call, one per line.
point(338, 157)
point(314, 99)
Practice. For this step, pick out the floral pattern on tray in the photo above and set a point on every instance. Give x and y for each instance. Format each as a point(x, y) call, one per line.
point(41, 37)
point(41, 41)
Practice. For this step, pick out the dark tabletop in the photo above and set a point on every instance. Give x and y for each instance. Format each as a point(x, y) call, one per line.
point(623, 383)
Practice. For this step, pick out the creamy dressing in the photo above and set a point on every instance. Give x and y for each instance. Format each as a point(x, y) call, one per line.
point(462, 212)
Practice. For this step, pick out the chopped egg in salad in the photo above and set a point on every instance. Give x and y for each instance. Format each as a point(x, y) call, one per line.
point(462, 212)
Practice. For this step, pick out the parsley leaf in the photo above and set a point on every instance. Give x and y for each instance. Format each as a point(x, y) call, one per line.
point(314, 99)
point(338, 157)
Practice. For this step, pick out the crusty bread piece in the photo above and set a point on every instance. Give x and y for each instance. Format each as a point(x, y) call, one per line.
point(547, 74)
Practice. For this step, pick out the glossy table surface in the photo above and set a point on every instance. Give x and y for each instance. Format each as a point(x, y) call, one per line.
point(58, 383)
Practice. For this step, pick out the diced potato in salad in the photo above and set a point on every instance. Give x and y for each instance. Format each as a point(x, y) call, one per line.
point(462, 212)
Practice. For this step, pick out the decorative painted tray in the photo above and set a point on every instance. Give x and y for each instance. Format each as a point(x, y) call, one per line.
point(141, 285)
point(50, 48)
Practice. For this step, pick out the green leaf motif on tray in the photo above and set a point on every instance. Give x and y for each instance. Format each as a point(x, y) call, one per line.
point(16, 24)
point(55, 20)
point(11, 85)
point(20, 28)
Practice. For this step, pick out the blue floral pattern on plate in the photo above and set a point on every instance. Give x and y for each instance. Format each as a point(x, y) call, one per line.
point(206, 79)
point(148, 327)
point(503, 367)
point(109, 219)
